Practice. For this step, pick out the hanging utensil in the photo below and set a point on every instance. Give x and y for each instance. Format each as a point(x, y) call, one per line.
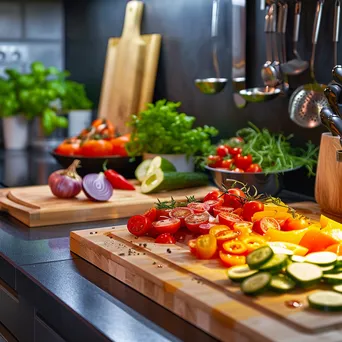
point(282, 29)
point(213, 85)
point(337, 14)
point(307, 101)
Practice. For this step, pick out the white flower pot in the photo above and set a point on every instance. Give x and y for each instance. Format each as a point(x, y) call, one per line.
point(180, 161)
point(78, 120)
point(15, 130)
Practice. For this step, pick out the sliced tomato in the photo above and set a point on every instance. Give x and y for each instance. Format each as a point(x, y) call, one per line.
point(139, 225)
point(235, 247)
point(234, 198)
point(266, 223)
point(230, 260)
point(295, 224)
point(213, 195)
point(244, 228)
point(193, 221)
point(151, 214)
point(243, 162)
point(206, 246)
point(215, 230)
point(198, 207)
point(228, 219)
point(253, 242)
point(162, 213)
point(152, 232)
point(224, 236)
point(220, 208)
point(169, 225)
point(212, 204)
point(250, 208)
point(192, 246)
point(181, 213)
point(205, 228)
point(166, 238)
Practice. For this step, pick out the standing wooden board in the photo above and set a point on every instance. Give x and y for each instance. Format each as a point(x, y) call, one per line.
point(199, 291)
point(36, 206)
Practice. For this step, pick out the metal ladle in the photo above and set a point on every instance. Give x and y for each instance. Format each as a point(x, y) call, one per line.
point(213, 85)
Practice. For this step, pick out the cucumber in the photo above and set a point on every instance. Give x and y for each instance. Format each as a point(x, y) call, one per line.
point(160, 163)
point(141, 170)
point(333, 279)
point(326, 301)
point(337, 288)
point(282, 283)
point(304, 274)
point(259, 257)
point(275, 264)
point(239, 273)
point(339, 261)
point(322, 258)
point(297, 258)
point(328, 269)
point(256, 284)
point(164, 181)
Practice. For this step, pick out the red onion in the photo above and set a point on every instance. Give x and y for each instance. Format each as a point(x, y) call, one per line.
point(97, 187)
point(66, 183)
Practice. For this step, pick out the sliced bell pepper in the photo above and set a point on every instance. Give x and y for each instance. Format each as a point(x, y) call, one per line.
point(214, 230)
point(315, 241)
point(293, 236)
point(230, 260)
point(327, 222)
point(253, 242)
point(279, 215)
point(336, 248)
point(206, 246)
point(234, 247)
point(335, 233)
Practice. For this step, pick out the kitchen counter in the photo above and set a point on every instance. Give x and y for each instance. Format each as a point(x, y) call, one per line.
point(50, 294)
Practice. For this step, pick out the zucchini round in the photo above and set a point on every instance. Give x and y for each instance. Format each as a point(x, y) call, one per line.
point(259, 257)
point(275, 264)
point(337, 288)
point(281, 283)
point(256, 284)
point(304, 274)
point(321, 258)
point(297, 258)
point(326, 301)
point(240, 272)
point(333, 279)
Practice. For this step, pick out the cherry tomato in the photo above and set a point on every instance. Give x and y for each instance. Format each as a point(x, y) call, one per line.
point(165, 238)
point(218, 228)
point(151, 214)
point(96, 148)
point(118, 145)
point(253, 242)
point(230, 260)
point(139, 225)
point(266, 223)
point(243, 162)
point(214, 161)
point(254, 168)
point(162, 213)
point(250, 208)
point(198, 207)
point(206, 246)
point(228, 219)
point(224, 236)
point(193, 221)
point(227, 164)
point(205, 228)
point(192, 246)
point(234, 198)
point(213, 195)
point(222, 151)
point(220, 208)
point(181, 213)
point(169, 225)
point(69, 148)
point(243, 228)
point(238, 170)
point(235, 247)
point(235, 151)
point(295, 224)
point(152, 232)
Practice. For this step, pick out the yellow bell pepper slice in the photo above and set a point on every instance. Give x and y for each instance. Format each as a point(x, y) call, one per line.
point(278, 208)
point(326, 222)
point(279, 215)
point(296, 249)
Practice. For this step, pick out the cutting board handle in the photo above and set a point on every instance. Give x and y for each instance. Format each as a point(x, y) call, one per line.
point(133, 17)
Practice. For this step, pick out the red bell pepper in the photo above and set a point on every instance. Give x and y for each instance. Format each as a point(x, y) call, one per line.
point(116, 180)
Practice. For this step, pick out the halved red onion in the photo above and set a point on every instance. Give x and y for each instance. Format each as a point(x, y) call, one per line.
point(97, 187)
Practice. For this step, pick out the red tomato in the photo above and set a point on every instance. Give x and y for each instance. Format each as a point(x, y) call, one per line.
point(220, 208)
point(237, 170)
point(214, 161)
point(235, 247)
point(250, 208)
point(266, 223)
point(226, 164)
point(234, 198)
point(238, 211)
point(206, 246)
point(118, 145)
point(295, 224)
point(69, 148)
point(195, 220)
point(165, 238)
point(222, 151)
point(205, 228)
point(213, 195)
point(151, 214)
point(228, 219)
point(104, 127)
point(224, 236)
point(138, 225)
point(243, 162)
point(254, 168)
point(96, 148)
point(230, 260)
point(181, 213)
point(162, 213)
point(198, 207)
point(168, 225)
point(212, 204)
point(192, 246)
point(235, 151)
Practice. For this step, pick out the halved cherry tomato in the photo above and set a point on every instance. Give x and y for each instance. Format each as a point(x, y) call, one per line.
point(238, 211)
point(230, 260)
point(266, 223)
point(336, 248)
point(253, 242)
point(96, 148)
point(213, 195)
point(165, 238)
point(235, 151)
point(243, 162)
point(235, 247)
point(193, 221)
point(250, 208)
point(198, 207)
point(152, 232)
point(181, 213)
point(139, 225)
point(254, 168)
point(206, 246)
point(218, 228)
point(227, 163)
point(234, 198)
point(316, 241)
point(221, 208)
point(222, 151)
point(295, 224)
point(212, 204)
point(69, 147)
point(192, 246)
point(151, 214)
point(205, 228)
point(228, 219)
point(214, 161)
point(169, 225)
point(162, 213)
point(244, 228)
point(224, 236)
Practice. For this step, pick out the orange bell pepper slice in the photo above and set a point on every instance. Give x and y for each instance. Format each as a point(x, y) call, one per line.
point(336, 248)
point(206, 246)
point(293, 236)
point(316, 241)
point(230, 260)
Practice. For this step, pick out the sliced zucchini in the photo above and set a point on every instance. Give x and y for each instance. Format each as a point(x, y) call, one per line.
point(327, 269)
point(141, 170)
point(256, 284)
point(281, 250)
point(239, 273)
point(275, 264)
point(321, 258)
point(333, 279)
point(259, 257)
point(326, 301)
point(282, 283)
point(339, 261)
point(297, 258)
point(160, 163)
point(304, 274)
point(337, 288)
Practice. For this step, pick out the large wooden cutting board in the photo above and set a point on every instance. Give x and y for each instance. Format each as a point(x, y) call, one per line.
point(200, 292)
point(36, 206)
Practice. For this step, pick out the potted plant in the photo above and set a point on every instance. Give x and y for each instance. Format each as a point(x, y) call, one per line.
point(162, 130)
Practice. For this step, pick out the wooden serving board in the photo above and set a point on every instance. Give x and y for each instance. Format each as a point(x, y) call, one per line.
point(36, 206)
point(199, 291)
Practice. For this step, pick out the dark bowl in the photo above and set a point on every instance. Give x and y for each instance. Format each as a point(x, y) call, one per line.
point(122, 165)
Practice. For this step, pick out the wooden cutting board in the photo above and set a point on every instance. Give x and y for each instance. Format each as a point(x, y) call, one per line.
point(130, 70)
point(36, 206)
point(199, 290)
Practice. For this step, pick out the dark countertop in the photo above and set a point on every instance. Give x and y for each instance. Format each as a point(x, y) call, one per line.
point(38, 264)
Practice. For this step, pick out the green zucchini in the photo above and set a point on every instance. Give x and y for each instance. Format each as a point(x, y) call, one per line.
point(282, 283)
point(240, 272)
point(275, 264)
point(304, 274)
point(259, 257)
point(256, 284)
point(141, 170)
point(160, 163)
point(326, 301)
point(321, 258)
point(333, 279)
point(337, 288)
point(164, 181)
point(339, 261)
point(297, 258)
point(328, 269)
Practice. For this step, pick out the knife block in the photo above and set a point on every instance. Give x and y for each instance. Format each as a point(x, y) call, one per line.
point(328, 187)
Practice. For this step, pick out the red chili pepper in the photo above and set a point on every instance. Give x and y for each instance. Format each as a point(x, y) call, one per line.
point(116, 180)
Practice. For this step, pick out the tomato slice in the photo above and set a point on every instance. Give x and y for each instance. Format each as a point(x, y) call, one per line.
point(206, 246)
point(253, 242)
point(192, 246)
point(166, 238)
point(212, 204)
point(181, 213)
point(244, 228)
point(169, 225)
point(214, 230)
point(266, 223)
point(235, 247)
point(193, 221)
point(219, 208)
point(198, 207)
point(139, 225)
point(162, 213)
point(151, 214)
point(205, 228)
point(228, 219)
point(225, 236)
point(230, 260)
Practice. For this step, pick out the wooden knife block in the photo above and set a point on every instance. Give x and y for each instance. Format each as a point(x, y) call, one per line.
point(328, 187)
